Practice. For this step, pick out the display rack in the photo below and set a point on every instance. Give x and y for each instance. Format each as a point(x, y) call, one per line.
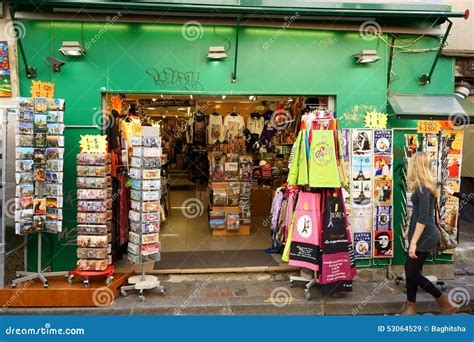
point(41, 273)
point(39, 164)
point(231, 186)
point(143, 245)
point(94, 215)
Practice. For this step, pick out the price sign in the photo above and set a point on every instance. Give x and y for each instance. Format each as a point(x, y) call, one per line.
point(96, 144)
point(42, 89)
point(428, 126)
point(376, 120)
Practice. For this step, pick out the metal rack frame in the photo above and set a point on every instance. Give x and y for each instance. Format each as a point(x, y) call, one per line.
point(143, 281)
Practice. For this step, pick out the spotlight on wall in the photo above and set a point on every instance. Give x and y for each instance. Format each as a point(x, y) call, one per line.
point(57, 64)
point(251, 97)
point(223, 97)
point(366, 57)
point(216, 53)
point(72, 49)
point(463, 90)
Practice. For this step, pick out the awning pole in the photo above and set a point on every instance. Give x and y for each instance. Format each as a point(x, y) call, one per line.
point(426, 78)
point(234, 74)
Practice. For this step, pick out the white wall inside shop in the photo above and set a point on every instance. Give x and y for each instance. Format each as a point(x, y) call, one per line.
point(460, 37)
point(8, 102)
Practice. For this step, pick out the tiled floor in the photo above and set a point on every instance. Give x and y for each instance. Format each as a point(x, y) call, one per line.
point(179, 233)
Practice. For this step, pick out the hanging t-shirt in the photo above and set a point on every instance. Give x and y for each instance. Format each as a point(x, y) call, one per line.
point(215, 129)
point(269, 129)
point(233, 125)
point(255, 125)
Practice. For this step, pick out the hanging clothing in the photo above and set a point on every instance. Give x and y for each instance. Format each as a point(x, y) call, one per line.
point(255, 124)
point(323, 167)
point(123, 210)
point(233, 126)
point(304, 249)
point(199, 130)
point(269, 129)
point(336, 273)
point(215, 129)
point(274, 215)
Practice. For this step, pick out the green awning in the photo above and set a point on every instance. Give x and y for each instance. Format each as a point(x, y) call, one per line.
point(429, 107)
point(395, 9)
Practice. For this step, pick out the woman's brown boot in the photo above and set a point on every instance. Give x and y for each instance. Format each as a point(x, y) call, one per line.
point(446, 307)
point(409, 309)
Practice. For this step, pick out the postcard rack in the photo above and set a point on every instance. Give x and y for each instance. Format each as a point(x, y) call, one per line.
point(94, 216)
point(145, 213)
point(39, 165)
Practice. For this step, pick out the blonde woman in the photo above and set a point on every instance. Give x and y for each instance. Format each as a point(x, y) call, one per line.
point(422, 234)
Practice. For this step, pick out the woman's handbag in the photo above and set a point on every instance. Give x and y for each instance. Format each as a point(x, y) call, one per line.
point(447, 234)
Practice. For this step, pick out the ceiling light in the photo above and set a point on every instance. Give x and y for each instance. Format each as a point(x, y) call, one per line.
point(162, 96)
point(164, 116)
point(72, 49)
point(366, 57)
point(150, 108)
point(176, 116)
point(216, 53)
point(191, 97)
point(223, 97)
point(463, 90)
point(153, 99)
point(251, 97)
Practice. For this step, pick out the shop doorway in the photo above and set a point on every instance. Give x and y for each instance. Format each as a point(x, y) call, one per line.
point(199, 231)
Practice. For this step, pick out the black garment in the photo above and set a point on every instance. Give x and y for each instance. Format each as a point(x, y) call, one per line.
point(414, 278)
point(423, 212)
point(112, 130)
point(469, 198)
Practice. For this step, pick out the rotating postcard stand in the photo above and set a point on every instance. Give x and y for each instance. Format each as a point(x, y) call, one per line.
point(143, 244)
point(41, 274)
point(39, 152)
point(94, 211)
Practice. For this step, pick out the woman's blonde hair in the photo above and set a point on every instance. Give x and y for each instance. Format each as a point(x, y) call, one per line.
point(419, 173)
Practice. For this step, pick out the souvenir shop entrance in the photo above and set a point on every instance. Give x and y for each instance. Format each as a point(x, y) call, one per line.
point(222, 159)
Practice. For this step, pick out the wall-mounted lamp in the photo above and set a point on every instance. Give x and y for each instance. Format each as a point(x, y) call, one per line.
point(366, 57)
point(463, 90)
point(72, 49)
point(216, 53)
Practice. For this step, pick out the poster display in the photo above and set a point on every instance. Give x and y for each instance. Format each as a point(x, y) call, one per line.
point(39, 165)
point(370, 191)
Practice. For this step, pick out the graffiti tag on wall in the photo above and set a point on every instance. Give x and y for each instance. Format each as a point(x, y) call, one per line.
point(171, 78)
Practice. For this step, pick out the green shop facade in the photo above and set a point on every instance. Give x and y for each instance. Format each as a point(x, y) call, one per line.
point(274, 48)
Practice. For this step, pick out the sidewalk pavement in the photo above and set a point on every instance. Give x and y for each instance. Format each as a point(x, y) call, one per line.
point(264, 294)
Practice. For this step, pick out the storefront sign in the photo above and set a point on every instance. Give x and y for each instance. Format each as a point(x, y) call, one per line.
point(93, 144)
point(42, 89)
point(428, 126)
point(375, 120)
